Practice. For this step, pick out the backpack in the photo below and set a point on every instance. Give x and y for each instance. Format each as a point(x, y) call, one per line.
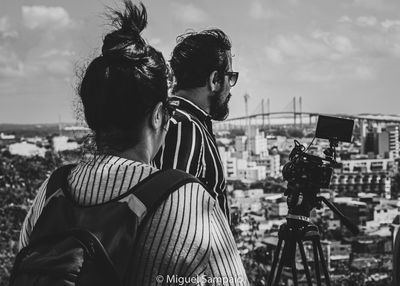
point(90, 245)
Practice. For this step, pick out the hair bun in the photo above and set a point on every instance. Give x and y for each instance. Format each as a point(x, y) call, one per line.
point(129, 25)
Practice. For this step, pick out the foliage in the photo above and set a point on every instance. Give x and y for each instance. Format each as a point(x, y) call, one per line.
point(20, 177)
point(295, 133)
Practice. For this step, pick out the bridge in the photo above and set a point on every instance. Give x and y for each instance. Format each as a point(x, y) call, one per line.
point(297, 118)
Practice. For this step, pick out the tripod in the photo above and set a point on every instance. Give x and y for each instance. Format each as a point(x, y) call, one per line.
point(293, 233)
point(294, 236)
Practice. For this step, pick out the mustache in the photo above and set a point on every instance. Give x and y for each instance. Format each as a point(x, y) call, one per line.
point(228, 98)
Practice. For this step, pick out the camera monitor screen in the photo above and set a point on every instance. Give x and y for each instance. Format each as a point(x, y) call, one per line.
point(334, 128)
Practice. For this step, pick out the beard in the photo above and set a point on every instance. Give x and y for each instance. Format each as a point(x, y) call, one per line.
point(219, 110)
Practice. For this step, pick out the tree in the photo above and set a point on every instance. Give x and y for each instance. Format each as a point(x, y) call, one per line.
point(295, 133)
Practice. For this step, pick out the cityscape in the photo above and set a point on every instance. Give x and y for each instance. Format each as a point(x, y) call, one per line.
point(365, 187)
point(295, 60)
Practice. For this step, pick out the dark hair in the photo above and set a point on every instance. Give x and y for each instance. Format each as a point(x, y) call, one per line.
point(124, 83)
point(197, 55)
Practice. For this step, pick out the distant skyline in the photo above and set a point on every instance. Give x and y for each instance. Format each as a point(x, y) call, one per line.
point(340, 56)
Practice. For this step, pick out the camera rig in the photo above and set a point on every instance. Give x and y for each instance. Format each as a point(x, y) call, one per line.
point(306, 174)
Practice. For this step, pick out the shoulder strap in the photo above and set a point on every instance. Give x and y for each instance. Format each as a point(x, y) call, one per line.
point(158, 186)
point(151, 191)
point(58, 179)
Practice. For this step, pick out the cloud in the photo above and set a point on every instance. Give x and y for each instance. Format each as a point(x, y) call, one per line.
point(337, 43)
point(189, 13)
point(258, 12)
point(375, 4)
point(362, 21)
point(44, 17)
point(320, 57)
point(274, 55)
point(368, 21)
point(5, 29)
point(57, 53)
point(325, 71)
point(10, 64)
point(391, 24)
point(297, 48)
point(378, 39)
point(59, 67)
point(345, 19)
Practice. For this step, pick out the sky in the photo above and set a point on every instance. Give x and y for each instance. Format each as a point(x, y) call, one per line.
point(340, 56)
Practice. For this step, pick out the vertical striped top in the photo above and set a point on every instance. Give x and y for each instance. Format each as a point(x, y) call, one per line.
point(190, 146)
point(187, 235)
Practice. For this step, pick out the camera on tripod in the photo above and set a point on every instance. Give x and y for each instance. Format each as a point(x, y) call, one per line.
point(306, 174)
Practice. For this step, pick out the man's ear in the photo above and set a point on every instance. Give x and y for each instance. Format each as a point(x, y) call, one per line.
point(156, 118)
point(214, 81)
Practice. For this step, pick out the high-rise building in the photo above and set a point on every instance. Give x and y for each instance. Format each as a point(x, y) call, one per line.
point(383, 142)
point(257, 142)
point(240, 143)
point(394, 145)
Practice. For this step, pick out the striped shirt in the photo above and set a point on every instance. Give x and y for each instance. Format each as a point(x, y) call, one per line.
point(186, 236)
point(190, 146)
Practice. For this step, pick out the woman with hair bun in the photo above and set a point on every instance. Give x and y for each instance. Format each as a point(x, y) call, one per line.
point(125, 102)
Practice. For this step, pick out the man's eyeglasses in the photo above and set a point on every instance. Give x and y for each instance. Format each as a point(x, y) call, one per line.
point(233, 77)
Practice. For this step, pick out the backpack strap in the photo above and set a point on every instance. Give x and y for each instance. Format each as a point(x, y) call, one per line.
point(58, 180)
point(150, 192)
point(154, 189)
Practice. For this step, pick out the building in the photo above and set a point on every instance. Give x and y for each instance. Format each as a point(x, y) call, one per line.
point(383, 141)
point(26, 149)
point(350, 184)
point(357, 212)
point(4, 136)
point(240, 143)
point(272, 164)
point(75, 132)
point(63, 143)
point(367, 165)
point(394, 145)
point(249, 200)
point(275, 205)
point(252, 173)
point(257, 143)
point(385, 213)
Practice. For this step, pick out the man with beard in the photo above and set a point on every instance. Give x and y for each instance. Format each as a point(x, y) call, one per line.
point(202, 67)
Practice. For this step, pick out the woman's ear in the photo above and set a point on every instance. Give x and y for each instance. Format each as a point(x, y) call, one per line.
point(214, 81)
point(156, 119)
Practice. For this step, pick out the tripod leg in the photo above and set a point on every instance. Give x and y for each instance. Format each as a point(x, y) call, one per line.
point(281, 263)
point(294, 273)
point(323, 263)
point(316, 262)
point(304, 259)
point(274, 263)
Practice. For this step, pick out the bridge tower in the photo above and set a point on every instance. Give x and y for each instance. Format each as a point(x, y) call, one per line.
point(269, 115)
point(246, 99)
point(300, 112)
point(294, 111)
point(263, 113)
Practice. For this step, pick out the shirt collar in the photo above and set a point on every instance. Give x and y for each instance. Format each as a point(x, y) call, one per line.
point(192, 108)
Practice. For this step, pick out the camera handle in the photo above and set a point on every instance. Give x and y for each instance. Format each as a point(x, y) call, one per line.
point(352, 227)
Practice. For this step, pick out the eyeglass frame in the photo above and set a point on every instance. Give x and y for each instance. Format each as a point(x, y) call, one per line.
point(231, 74)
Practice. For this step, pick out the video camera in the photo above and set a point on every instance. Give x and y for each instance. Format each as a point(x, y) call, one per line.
point(306, 174)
